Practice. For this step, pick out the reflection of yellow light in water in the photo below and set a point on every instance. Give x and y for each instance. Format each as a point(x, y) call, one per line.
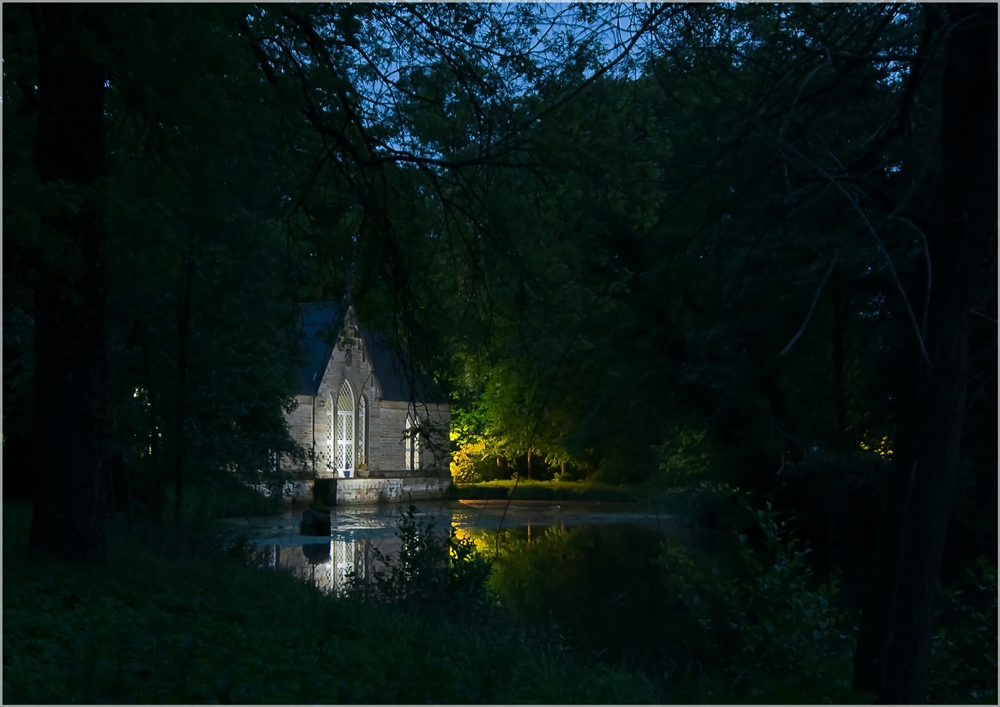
point(460, 533)
point(480, 537)
point(880, 447)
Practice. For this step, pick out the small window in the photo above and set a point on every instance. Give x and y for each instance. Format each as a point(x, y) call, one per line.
point(412, 445)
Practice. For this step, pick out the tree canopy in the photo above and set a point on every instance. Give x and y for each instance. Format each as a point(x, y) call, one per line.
point(748, 244)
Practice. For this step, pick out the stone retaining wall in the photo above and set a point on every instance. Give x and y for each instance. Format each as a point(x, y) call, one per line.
point(351, 491)
point(390, 490)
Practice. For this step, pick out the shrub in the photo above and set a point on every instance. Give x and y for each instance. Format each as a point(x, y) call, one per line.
point(703, 504)
point(686, 455)
point(964, 653)
point(227, 498)
point(472, 463)
point(761, 632)
point(464, 461)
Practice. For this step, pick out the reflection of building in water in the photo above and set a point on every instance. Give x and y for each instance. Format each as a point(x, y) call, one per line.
point(349, 558)
point(330, 566)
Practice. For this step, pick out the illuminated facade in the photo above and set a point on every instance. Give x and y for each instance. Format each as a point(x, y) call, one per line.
point(363, 409)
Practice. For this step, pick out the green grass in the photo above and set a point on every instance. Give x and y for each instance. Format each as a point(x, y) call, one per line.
point(149, 629)
point(550, 491)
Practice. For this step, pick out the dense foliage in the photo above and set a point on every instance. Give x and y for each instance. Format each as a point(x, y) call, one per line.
point(738, 253)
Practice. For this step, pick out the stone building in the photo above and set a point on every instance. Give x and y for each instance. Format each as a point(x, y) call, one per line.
point(364, 410)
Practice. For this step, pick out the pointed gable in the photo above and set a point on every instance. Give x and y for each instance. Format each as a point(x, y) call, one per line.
point(398, 378)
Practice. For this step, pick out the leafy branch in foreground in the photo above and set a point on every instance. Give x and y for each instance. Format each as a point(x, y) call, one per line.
point(762, 631)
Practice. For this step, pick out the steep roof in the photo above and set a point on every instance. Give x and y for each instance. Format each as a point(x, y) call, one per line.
point(321, 325)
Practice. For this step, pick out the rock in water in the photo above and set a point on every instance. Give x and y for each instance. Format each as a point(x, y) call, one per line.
point(317, 553)
point(314, 523)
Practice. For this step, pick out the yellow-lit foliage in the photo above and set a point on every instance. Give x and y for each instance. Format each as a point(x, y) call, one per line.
point(881, 446)
point(463, 462)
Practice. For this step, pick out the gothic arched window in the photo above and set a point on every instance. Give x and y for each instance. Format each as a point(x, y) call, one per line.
point(345, 431)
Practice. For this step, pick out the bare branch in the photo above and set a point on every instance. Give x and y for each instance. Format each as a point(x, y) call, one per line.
point(812, 307)
point(984, 316)
point(874, 234)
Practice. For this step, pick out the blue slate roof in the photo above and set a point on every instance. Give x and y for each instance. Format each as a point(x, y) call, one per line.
point(321, 324)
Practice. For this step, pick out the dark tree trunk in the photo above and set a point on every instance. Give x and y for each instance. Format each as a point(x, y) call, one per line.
point(183, 329)
point(529, 463)
point(155, 482)
point(125, 479)
point(156, 491)
point(70, 495)
point(838, 358)
point(895, 633)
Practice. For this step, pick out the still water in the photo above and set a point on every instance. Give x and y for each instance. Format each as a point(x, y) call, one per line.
point(616, 538)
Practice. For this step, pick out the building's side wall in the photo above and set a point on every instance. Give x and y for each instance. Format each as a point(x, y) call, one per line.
point(300, 420)
point(300, 426)
point(434, 449)
point(436, 454)
point(393, 424)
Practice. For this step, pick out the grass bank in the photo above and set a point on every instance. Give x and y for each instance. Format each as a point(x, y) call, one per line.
point(149, 628)
point(549, 491)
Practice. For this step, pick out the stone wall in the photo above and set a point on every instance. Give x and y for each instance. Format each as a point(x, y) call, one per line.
point(434, 448)
point(300, 422)
point(351, 491)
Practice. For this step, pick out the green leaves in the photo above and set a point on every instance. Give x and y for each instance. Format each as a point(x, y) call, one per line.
point(964, 652)
point(760, 629)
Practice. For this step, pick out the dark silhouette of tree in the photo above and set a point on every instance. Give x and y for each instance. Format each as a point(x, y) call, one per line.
point(70, 344)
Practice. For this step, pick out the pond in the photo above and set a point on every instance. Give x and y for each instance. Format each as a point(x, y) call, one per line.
point(607, 533)
point(587, 573)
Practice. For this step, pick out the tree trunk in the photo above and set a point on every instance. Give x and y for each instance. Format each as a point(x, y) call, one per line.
point(154, 496)
point(70, 496)
point(183, 329)
point(895, 633)
point(529, 463)
point(838, 358)
point(156, 491)
point(126, 482)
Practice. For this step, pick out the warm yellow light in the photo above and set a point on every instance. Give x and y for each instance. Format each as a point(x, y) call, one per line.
point(881, 447)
